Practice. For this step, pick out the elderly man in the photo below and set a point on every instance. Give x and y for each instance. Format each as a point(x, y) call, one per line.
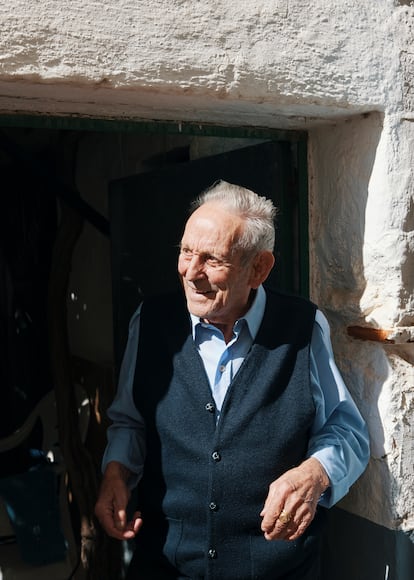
point(231, 415)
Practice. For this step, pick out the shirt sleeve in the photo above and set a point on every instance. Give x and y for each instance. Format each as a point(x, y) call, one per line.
point(339, 438)
point(126, 434)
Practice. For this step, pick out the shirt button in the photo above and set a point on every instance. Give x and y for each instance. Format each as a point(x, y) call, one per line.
point(212, 554)
point(216, 456)
point(213, 506)
point(222, 368)
point(210, 407)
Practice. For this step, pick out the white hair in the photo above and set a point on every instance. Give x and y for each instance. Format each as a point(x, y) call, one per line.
point(258, 213)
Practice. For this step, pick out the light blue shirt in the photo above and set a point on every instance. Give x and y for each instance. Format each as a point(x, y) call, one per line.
point(339, 437)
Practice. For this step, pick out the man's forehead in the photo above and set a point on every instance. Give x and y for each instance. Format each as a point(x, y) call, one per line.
point(211, 236)
point(215, 220)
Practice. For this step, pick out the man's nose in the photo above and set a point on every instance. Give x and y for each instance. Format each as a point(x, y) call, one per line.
point(195, 268)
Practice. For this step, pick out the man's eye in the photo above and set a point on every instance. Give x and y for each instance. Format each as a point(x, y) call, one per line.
point(186, 253)
point(212, 261)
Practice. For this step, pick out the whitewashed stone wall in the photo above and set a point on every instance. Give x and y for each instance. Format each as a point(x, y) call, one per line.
point(362, 234)
point(341, 69)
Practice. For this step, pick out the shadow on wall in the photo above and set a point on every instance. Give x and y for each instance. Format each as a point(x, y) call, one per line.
point(357, 549)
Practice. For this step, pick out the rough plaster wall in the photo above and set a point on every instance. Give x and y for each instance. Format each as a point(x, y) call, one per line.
point(300, 57)
point(362, 256)
point(389, 232)
point(274, 63)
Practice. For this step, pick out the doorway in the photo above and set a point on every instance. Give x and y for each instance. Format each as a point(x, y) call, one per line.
point(118, 178)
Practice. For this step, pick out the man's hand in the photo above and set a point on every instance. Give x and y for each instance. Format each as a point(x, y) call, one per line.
point(112, 503)
point(292, 500)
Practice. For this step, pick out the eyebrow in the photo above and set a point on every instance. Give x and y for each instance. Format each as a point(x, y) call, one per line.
point(206, 253)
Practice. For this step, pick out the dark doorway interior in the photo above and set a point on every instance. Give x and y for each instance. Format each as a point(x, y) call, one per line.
point(54, 219)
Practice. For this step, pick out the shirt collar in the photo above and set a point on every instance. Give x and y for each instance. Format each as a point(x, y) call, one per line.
point(253, 316)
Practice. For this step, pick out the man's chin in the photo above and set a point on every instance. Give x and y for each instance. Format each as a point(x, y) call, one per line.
point(199, 312)
point(200, 308)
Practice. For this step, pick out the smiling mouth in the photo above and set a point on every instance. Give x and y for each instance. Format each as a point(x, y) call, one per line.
point(200, 292)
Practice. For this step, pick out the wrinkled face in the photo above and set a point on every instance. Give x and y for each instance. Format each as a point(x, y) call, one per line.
point(217, 284)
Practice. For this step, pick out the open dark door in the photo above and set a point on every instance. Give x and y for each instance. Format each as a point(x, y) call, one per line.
point(148, 212)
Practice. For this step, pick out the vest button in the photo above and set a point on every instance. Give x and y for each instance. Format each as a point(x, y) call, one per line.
point(216, 456)
point(213, 506)
point(210, 407)
point(212, 554)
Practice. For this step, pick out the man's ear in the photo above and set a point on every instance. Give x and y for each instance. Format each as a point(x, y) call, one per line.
point(263, 262)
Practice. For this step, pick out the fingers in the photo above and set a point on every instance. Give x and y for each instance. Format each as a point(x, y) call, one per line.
point(112, 504)
point(292, 500)
point(130, 528)
point(119, 517)
point(278, 498)
point(115, 523)
point(136, 523)
point(289, 524)
point(112, 520)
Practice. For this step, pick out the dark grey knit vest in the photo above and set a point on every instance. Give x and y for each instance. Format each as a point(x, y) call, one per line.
point(204, 484)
